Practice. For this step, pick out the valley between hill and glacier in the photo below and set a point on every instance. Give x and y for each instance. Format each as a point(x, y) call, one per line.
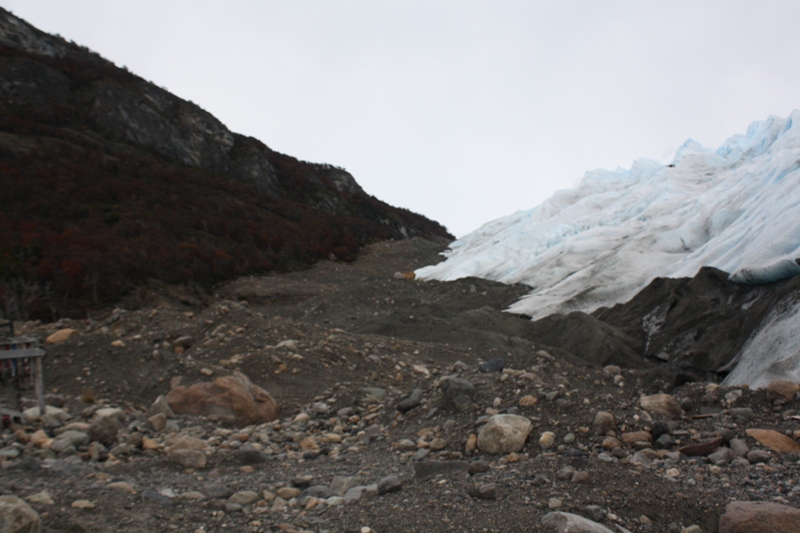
point(654, 390)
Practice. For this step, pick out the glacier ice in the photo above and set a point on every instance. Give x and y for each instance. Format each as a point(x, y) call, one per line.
point(736, 208)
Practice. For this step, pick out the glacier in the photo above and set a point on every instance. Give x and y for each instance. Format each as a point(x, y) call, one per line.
point(736, 208)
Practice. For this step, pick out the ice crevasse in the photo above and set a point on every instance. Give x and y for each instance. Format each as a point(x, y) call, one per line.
point(736, 208)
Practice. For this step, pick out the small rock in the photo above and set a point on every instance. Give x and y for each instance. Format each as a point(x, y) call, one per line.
point(547, 439)
point(389, 484)
point(493, 365)
point(60, 336)
point(82, 504)
point(411, 401)
point(287, 493)
point(243, 497)
point(41, 498)
point(759, 456)
point(486, 491)
point(603, 423)
point(122, 486)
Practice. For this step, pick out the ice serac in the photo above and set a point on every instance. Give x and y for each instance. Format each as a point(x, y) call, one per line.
point(736, 208)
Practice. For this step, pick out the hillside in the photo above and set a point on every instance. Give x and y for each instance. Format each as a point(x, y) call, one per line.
point(110, 182)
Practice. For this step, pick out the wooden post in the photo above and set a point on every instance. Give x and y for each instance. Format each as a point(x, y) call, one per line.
point(39, 384)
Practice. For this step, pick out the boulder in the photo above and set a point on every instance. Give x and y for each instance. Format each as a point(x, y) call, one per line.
point(662, 404)
point(571, 523)
point(233, 399)
point(504, 434)
point(104, 430)
point(60, 336)
point(759, 517)
point(782, 389)
point(16, 516)
point(774, 440)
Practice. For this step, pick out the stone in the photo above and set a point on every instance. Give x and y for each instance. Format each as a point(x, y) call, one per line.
point(609, 443)
point(244, 497)
point(458, 392)
point(759, 456)
point(504, 434)
point(478, 467)
point(580, 476)
point(189, 458)
point(486, 491)
point(122, 486)
point(603, 423)
point(472, 443)
point(782, 389)
point(16, 516)
point(82, 504)
point(632, 437)
point(68, 439)
point(411, 401)
point(561, 522)
point(56, 414)
point(759, 517)
point(158, 421)
point(287, 493)
point(528, 401)
point(104, 430)
point(40, 439)
point(389, 484)
point(60, 336)
point(701, 449)
point(234, 399)
point(160, 406)
point(739, 447)
point(547, 439)
point(742, 413)
point(663, 404)
point(495, 364)
point(774, 440)
point(722, 456)
point(41, 498)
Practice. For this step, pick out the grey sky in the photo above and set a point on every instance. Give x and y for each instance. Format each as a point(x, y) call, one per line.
point(458, 109)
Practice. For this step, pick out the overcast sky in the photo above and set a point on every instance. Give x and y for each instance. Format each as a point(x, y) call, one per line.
point(461, 110)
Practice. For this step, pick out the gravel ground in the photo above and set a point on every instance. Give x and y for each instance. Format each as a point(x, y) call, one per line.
point(340, 347)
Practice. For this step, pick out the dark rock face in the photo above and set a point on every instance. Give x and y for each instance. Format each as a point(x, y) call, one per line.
point(152, 118)
point(682, 330)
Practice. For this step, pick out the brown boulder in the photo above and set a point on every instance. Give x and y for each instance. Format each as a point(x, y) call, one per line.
point(60, 336)
point(663, 404)
point(774, 440)
point(759, 517)
point(233, 399)
point(782, 389)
